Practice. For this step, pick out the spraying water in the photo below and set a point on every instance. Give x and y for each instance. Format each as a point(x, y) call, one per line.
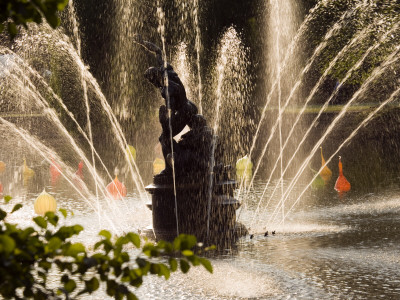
point(161, 17)
point(376, 73)
point(196, 9)
point(75, 26)
point(358, 37)
point(231, 90)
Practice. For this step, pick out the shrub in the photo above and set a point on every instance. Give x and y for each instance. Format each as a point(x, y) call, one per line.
point(28, 255)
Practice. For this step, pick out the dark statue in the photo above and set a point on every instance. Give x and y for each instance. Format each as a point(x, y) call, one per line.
point(202, 202)
point(192, 153)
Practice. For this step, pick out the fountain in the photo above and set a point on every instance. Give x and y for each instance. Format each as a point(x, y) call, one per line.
point(192, 194)
point(275, 83)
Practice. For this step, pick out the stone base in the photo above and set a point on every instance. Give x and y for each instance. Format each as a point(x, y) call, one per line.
point(192, 211)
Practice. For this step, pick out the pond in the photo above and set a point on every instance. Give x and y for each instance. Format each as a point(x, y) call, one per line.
point(335, 248)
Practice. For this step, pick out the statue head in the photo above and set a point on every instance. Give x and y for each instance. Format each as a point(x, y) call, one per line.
point(155, 76)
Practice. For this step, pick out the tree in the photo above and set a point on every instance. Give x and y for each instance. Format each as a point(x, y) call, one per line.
point(27, 256)
point(21, 12)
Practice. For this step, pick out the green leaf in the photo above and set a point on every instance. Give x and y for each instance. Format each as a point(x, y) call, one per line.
point(45, 265)
point(70, 286)
point(135, 273)
point(150, 250)
point(141, 262)
point(185, 242)
point(65, 232)
point(124, 257)
point(3, 214)
point(98, 244)
point(188, 241)
point(168, 248)
point(74, 249)
point(27, 232)
point(177, 243)
point(134, 239)
point(173, 264)
point(154, 268)
point(194, 260)
point(61, 4)
point(42, 275)
point(106, 234)
point(65, 278)
point(7, 244)
point(99, 257)
point(187, 252)
point(28, 293)
point(92, 284)
point(63, 212)
point(54, 243)
point(111, 287)
point(107, 246)
point(41, 222)
point(16, 207)
point(131, 296)
point(7, 198)
point(51, 218)
point(77, 229)
point(164, 271)
point(184, 266)
point(206, 264)
point(121, 241)
point(210, 248)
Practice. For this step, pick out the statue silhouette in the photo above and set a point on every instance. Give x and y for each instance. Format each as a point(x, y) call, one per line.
point(183, 112)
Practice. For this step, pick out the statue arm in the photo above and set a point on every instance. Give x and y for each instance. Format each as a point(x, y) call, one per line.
point(178, 122)
point(179, 119)
point(150, 47)
point(182, 117)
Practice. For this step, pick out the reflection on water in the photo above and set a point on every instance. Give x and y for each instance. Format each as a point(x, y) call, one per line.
point(330, 247)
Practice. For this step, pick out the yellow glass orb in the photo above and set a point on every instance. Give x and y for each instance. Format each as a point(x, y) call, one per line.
point(325, 173)
point(244, 167)
point(158, 165)
point(2, 166)
point(45, 203)
point(131, 151)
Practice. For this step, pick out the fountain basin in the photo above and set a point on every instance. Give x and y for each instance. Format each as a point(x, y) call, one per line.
point(192, 211)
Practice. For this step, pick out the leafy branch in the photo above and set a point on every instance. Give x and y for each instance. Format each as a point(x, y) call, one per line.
point(28, 255)
point(21, 12)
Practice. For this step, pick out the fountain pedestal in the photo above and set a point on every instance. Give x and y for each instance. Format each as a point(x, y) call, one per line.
point(192, 210)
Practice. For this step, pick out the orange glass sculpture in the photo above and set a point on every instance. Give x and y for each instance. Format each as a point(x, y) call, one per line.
point(77, 178)
point(342, 185)
point(116, 189)
point(55, 172)
point(79, 172)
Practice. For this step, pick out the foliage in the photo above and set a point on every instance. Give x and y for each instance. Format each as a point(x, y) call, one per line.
point(27, 256)
point(21, 12)
point(376, 18)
